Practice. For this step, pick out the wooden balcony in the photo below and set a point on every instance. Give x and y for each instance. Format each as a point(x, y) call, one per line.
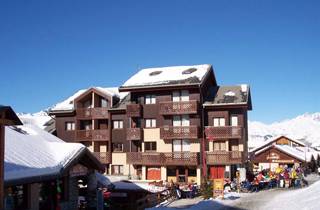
point(181, 158)
point(134, 110)
point(224, 157)
point(134, 134)
point(100, 135)
point(179, 132)
point(103, 157)
point(94, 113)
point(180, 107)
point(144, 158)
point(92, 135)
point(224, 132)
point(84, 135)
point(157, 158)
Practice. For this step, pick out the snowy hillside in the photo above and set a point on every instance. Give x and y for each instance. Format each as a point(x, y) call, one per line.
point(305, 127)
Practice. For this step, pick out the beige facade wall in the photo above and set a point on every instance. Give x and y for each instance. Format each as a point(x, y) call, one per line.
point(121, 159)
point(163, 173)
point(153, 134)
point(195, 146)
point(241, 147)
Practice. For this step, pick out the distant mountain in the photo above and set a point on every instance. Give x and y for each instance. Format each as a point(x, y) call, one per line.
point(305, 128)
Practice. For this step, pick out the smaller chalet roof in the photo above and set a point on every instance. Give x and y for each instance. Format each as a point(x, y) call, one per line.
point(34, 155)
point(272, 140)
point(68, 104)
point(8, 116)
point(301, 153)
point(122, 104)
point(166, 76)
point(229, 95)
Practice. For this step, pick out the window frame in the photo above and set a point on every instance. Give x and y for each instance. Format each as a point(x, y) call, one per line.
point(150, 99)
point(152, 145)
point(118, 123)
point(152, 123)
point(72, 124)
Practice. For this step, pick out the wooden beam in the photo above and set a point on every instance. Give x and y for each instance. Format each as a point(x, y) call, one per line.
point(7, 122)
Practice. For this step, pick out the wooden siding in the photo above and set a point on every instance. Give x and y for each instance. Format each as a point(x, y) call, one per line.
point(92, 135)
point(134, 110)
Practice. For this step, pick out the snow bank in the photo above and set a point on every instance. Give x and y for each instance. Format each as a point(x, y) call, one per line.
point(163, 75)
point(306, 198)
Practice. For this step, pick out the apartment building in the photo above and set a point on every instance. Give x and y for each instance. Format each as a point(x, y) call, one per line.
point(169, 123)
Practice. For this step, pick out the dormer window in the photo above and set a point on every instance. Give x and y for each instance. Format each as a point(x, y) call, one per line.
point(189, 71)
point(154, 73)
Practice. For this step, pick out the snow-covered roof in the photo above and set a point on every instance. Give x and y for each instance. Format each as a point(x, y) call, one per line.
point(271, 140)
point(31, 152)
point(301, 153)
point(229, 95)
point(39, 119)
point(68, 104)
point(168, 75)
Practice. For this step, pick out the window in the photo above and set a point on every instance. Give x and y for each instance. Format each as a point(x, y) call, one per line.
point(181, 145)
point(219, 146)
point(151, 123)
point(192, 172)
point(70, 126)
point(234, 120)
point(180, 95)
point(117, 124)
point(150, 99)
point(117, 147)
point(150, 146)
point(219, 121)
point(117, 169)
point(103, 102)
point(181, 120)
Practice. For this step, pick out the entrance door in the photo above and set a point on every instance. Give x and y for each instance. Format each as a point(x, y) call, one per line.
point(217, 172)
point(153, 173)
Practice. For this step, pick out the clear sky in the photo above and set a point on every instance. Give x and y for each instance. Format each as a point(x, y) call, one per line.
point(50, 49)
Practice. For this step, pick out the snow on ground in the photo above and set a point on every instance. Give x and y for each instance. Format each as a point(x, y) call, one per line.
point(282, 199)
point(163, 75)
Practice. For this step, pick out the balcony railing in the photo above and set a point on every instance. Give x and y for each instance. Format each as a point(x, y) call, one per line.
point(134, 110)
point(97, 112)
point(168, 158)
point(224, 157)
point(144, 158)
point(180, 107)
point(103, 157)
point(134, 133)
point(178, 132)
point(181, 158)
point(224, 132)
point(92, 135)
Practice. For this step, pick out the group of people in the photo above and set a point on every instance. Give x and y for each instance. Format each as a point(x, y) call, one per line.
point(183, 191)
point(281, 177)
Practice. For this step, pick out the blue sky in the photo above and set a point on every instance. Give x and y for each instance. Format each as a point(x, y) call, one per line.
point(50, 49)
